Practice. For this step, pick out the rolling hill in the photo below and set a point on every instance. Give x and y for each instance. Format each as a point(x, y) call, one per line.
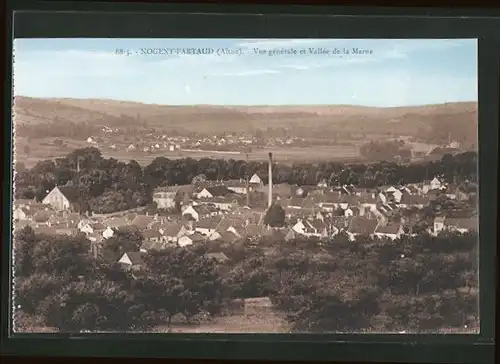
point(457, 121)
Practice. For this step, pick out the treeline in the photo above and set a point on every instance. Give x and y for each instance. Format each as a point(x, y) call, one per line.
point(108, 185)
point(418, 284)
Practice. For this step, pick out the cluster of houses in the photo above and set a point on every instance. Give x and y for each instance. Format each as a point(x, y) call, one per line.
point(223, 211)
point(152, 142)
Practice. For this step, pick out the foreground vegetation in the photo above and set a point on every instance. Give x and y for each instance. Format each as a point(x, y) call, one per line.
point(416, 284)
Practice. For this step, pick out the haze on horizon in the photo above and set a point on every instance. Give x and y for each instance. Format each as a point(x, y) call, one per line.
point(399, 73)
point(353, 105)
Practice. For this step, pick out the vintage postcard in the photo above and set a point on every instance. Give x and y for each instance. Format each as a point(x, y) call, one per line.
point(245, 186)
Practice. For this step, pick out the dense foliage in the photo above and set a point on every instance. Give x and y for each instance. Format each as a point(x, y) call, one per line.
point(58, 282)
point(108, 185)
point(418, 284)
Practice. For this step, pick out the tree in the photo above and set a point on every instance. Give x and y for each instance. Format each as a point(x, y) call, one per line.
point(193, 283)
point(200, 178)
point(275, 216)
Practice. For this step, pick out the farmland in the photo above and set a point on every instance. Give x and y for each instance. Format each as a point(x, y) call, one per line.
point(50, 128)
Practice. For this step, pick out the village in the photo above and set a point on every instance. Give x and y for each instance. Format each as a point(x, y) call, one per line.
point(152, 142)
point(230, 211)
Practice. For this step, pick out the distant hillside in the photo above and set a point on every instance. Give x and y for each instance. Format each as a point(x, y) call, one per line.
point(434, 123)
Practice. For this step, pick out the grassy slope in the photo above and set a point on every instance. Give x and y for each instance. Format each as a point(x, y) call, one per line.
point(216, 118)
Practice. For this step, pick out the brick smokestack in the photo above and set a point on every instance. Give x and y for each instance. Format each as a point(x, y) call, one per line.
point(270, 182)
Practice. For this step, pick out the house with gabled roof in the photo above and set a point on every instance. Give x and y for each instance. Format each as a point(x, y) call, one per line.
point(108, 232)
point(316, 228)
point(213, 191)
point(21, 213)
point(152, 235)
point(190, 213)
point(255, 180)
point(207, 226)
point(191, 239)
point(224, 203)
point(165, 197)
point(238, 186)
point(62, 198)
point(115, 222)
point(361, 226)
point(84, 221)
point(207, 210)
point(170, 231)
point(143, 222)
point(461, 225)
point(131, 260)
point(146, 246)
point(391, 231)
point(220, 257)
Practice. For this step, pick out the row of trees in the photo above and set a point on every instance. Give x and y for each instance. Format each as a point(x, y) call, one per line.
point(419, 284)
point(108, 185)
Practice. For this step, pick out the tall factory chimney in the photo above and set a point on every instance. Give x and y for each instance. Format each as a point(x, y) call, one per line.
point(270, 182)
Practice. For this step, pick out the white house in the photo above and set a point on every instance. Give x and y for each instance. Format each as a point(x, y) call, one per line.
point(323, 183)
point(438, 225)
point(164, 199)
point(214, 236)
point(131, 260)
point(391, 189)
point(255, 180)
point(90, 140)
point(61, 198)
point(108, 233)
point(435, 184)
point(348, 212)
point(204, 194)
point(87, 229)
point(397, 195)
point(231, 229)
point(238, 187)
point(20, 214)
point(299, 227)
point(310, 228)
point(191, 212)
point(83, 222)
point(184, 241)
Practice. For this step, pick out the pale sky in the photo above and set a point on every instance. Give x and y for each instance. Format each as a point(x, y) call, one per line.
point(398, 73)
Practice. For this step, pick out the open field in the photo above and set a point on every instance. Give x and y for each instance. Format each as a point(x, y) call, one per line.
point(40, 150)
